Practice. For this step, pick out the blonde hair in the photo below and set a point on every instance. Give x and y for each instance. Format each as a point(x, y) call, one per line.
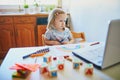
point(53, 15)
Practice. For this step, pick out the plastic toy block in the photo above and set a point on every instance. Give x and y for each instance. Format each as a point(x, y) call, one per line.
point(81, 63)
point(47, 58)
point(69, 59)
point(17, 75)
point(53, 74)
point(58, 58)
point(60, 65)
point(21, 74)
point(54, 58)
point(76, 63)
point(66, 56)
point(52, 71)
point(44, 68)
point(89, 69)
point(61, 58)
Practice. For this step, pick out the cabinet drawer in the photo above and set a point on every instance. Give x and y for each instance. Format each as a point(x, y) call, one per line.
point(6, 20)
point(24, 19)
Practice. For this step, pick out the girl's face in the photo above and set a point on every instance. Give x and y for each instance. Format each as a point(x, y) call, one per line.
point(59, 21)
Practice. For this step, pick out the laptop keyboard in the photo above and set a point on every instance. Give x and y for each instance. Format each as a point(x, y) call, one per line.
point(93, 54)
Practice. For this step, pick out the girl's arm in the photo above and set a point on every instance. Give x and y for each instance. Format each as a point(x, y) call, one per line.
point(71, 39)
point(52, 42)
point(69, 42)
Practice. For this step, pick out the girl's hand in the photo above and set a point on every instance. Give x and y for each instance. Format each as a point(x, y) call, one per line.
point(65, 42)
point(56, 43)
point(52, 42)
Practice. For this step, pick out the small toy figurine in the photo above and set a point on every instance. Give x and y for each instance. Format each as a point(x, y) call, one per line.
point(52, 71)
point(89, 69)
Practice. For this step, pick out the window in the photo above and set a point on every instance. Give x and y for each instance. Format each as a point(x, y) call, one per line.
point(13, 5)
point(30, 2)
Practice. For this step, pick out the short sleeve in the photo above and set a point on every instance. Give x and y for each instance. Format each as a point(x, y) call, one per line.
point(69, 33)
point(48, 34)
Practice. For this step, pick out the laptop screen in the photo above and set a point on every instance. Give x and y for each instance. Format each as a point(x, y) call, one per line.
point(112, 51)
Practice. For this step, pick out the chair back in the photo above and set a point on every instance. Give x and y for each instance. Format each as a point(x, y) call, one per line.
point(43, 40)
point(78, 36)
point(41, 31)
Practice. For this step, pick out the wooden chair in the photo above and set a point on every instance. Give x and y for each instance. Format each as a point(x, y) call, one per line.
point(41, 31)
point(78, 36)
point(43, 40)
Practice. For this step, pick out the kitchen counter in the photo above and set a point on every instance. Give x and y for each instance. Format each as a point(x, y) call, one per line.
point(23, 14)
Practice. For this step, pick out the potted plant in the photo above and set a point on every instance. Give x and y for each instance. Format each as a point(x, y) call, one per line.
point(26, 6)
point(37, 7)
point(36, 4)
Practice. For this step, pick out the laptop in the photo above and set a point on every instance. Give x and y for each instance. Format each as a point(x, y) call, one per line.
point(103, 54)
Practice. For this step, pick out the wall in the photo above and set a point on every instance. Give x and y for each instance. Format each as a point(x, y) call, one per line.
point(93, 17)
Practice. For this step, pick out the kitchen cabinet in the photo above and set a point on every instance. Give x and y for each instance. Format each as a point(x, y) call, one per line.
point(25, 31)
point(7, 38)
point(16, 31)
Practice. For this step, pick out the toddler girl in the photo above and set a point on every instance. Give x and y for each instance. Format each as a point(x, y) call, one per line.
point(57, 33)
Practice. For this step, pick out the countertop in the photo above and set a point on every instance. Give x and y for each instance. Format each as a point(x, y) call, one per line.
point(23, 14)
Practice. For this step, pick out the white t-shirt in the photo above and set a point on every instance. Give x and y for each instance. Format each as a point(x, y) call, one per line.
point(53, 34)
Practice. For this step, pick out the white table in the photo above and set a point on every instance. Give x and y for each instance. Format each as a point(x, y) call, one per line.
point(15, 55)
